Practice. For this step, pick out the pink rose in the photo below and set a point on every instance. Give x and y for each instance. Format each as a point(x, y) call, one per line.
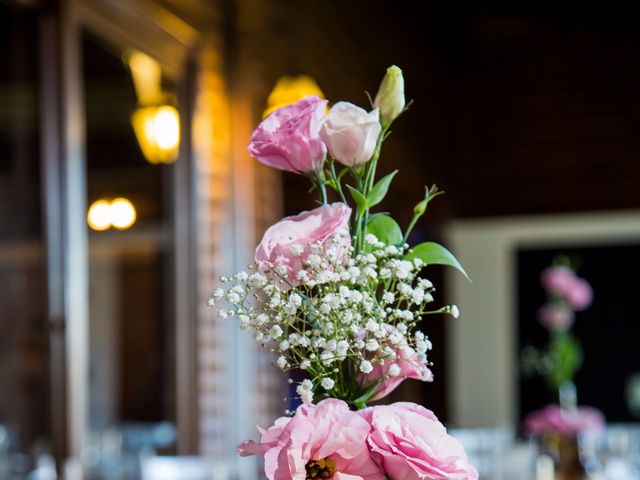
point(289, 241)
point(409, 443)
point(289, 138)
point(350, 133)
point(555, 317)
point(553, 420)
point(406, 364)
point(327, 438)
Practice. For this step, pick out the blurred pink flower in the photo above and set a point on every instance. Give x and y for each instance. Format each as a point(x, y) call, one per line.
point(555, 317)
point(289, 241)
point(409, 443)
point(558, 280)
point(327, 437)
point(553, 420)
point(564, 283)
point(580, 295)
point(289, 138)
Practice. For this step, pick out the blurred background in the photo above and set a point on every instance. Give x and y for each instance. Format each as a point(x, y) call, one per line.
point(126, 190)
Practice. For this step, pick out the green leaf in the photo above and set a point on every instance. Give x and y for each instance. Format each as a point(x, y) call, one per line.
point(360, 199)
point(385, 229)
point(379, 190)
point(433, 253)
point(565, 353)
point(362, 400)
point(376, 215)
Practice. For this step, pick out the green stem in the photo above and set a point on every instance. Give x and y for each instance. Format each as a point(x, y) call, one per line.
point(420, 209)
point(364, 184)
point(370, 176)
point(323, 191)
point(357, 234)
point(336, 181)
point(321, 182)
point(414, 220)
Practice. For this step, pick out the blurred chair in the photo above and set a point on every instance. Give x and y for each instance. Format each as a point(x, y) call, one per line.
point(45, 468)
point(115, 453)
point(613, 453)
point(488, 450)
point(138, 437)
point(178, 468)
point(197, 468)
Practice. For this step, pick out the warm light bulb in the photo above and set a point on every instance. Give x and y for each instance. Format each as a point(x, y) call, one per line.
point(288, 90)
point(166, 130)
point(99, 215)
point(158, 132)
point(122, 213)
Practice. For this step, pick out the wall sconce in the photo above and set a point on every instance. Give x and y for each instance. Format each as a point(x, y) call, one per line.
point(99, 215)
point(289, 89)
point(157, 129)
point(118, 213)
point(155, 123)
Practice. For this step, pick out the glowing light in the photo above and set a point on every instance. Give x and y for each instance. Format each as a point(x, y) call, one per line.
point(157, 129)
point(99, 215)
point(147, 77)
point(288, 90)
point(123, 213)
point(156, 124)
point(118, 213)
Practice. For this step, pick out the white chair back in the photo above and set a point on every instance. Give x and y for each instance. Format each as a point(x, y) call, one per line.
point(487, 449)
point(197, 468)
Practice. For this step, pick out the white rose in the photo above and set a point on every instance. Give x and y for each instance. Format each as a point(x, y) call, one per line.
point(351, 133)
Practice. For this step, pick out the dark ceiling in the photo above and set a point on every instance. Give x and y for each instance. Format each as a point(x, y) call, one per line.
point(518, 110)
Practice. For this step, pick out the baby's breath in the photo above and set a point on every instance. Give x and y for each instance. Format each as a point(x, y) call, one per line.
point(340, 318)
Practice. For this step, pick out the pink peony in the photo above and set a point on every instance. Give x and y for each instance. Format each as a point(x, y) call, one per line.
point(289, 138)
point(289, 241)
point(407, 364)
point(580, 295)
point(327, 438)
point(409, 443)
point(555, 317)
point(558, 280)
point(564, 283)
point(553, 420)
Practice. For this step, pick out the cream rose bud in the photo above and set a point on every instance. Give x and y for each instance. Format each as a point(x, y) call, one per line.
point(390, 97)
point(351, 133)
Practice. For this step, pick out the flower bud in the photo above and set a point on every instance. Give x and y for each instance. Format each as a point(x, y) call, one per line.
point(390, 96)
point(420, 208)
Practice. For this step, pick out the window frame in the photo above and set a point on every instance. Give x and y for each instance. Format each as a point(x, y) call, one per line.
point(148, 27)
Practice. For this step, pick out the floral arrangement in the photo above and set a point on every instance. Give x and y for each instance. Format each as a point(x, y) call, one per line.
point(337, 294)
point(567, 294)
point(554, 420)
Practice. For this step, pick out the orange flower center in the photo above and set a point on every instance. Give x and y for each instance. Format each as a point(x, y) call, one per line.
point(324, 468)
